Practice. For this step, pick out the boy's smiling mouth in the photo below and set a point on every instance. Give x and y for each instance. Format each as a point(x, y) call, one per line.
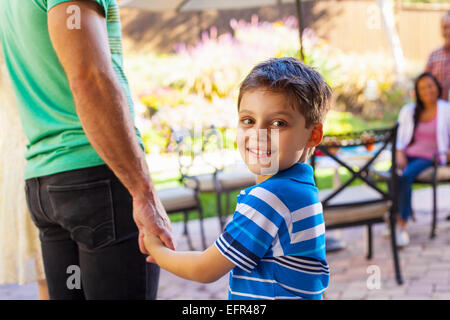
point(258, 153)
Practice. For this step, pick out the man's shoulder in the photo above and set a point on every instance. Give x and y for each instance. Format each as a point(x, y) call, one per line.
point(436, 54)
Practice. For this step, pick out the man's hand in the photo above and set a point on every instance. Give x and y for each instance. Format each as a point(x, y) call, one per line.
point(150, 216)
point(151, 243)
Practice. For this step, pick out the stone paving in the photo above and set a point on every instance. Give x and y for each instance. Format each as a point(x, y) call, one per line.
point(425, 263)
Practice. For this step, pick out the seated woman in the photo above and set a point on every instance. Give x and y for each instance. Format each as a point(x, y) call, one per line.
point(424, 130)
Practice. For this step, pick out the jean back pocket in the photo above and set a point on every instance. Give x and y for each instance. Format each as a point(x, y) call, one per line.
point(86, 211)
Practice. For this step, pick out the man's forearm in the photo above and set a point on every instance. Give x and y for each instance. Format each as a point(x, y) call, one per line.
point(99, 99)
point(103, 111)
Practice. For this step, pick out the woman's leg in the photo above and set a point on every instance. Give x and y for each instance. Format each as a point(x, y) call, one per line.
point(42, 287)
point(43, 290)
point(413, 169)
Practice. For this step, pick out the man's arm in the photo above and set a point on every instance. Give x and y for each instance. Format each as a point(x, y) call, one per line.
point(205, 267)
point(103, 109)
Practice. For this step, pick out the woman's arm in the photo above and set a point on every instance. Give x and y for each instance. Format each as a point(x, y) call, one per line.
point(406, 126)
point(207, 266)
point(402, 161)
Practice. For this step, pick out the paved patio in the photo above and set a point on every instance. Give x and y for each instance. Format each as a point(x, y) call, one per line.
point(425, 263)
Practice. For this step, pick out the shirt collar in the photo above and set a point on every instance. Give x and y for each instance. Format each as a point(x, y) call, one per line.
point(300, 172)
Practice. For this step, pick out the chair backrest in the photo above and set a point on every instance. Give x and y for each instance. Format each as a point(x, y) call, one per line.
point(198, 150)
point(336, 148)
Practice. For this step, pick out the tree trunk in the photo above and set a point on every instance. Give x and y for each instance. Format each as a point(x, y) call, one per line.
point(387, 15)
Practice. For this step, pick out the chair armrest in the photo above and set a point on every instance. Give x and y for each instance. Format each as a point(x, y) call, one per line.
point(194, 178)
point(436, 160)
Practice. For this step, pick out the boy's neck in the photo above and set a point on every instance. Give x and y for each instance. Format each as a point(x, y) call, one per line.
point(261, 178)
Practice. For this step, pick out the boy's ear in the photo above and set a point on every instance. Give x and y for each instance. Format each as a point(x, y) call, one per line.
point(316, 136)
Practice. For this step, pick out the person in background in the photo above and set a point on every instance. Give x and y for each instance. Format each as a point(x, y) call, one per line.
point(439, 61)
point(88, 185)
point(424, 131)
point(20, 248)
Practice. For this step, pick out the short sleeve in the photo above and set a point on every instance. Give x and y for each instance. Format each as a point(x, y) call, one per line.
point(250, 234)
point(429, 65)
point(103, 3)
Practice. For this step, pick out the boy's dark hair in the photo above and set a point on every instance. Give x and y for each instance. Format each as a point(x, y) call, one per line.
point(305, 89)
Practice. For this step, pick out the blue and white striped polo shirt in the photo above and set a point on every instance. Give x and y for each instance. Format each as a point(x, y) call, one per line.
point(277, 239)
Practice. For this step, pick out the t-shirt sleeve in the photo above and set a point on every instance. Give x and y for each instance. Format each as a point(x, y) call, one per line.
point(250, 234)
point(429, 65)
point(103, 3)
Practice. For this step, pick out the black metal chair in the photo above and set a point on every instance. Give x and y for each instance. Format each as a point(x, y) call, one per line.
point(219, 178)
point(433, 176)
point(183, 199)
point(350, 206)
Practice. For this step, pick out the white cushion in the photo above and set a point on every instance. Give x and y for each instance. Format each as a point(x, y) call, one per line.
point(177, 198)
point(348, 214)
point(237, 179)
point(229, 180)
point(443, 174)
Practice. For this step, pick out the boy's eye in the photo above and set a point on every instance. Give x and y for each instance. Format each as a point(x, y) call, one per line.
point(247, 121)
point(279, 123)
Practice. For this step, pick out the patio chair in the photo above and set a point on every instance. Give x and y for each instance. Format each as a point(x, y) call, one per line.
point(367, 204)
point(185, 200)
point(431, 176)
point(220, 179)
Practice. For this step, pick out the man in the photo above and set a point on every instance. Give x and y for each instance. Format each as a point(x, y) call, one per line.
point(439, 61)
point(87, 182)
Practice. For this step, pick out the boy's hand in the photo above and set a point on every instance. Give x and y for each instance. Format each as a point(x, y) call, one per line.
point(151, 242)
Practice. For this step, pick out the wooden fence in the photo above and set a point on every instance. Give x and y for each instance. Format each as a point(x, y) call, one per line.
point(352, 26)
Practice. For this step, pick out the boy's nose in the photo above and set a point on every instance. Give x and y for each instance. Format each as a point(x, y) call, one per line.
point(261, 136)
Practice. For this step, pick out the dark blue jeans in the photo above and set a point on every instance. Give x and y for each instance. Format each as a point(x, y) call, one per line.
point(413, 169)
point(85, 223)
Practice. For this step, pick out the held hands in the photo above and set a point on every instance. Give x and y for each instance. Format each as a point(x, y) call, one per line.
point(151, 242)
point(151, 217)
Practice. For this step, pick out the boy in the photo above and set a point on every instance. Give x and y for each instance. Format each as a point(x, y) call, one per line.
point(275, 243)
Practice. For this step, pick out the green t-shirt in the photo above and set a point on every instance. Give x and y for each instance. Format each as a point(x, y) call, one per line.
point(57, 142)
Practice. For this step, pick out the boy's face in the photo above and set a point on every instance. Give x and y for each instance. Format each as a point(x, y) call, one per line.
point(272, 135)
